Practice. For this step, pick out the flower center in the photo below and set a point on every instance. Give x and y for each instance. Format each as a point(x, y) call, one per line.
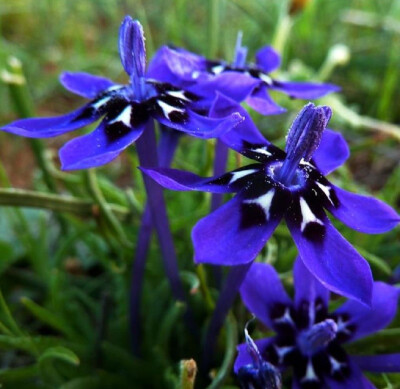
point(317, 337)
point(303, 139)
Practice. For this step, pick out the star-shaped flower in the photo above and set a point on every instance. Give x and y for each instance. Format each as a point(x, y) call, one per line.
point(286, 185)
point(239, 80)
point(310, 339)
point(124, 109)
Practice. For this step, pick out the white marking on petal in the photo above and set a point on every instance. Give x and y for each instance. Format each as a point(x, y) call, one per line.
point(310, 373)
point(335, 365)
point(262, 150)
point(326, 190)
point(218, 69)
point(285, 318)
point(342, 325)
point(178, 94)
point(101, 102)
point(306, 163)
point(263, 201)
point(282, 351)
point(240, 174)
point(167, 109)
point(195, 74)
point(307, 215)
point(264, 77)
point(124, 117)
point(114, 87)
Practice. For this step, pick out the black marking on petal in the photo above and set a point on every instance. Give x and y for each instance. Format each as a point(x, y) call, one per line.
point(174, 114)
point(116, 131)
point(258, 200)
point(239, 178)
point(87, 112)
point(308, 215)
point(326, 193)
point(140, 114)
point(173, 101)
point(314, 232)
point(252, 215)
point(262, 153)
point(178, 117)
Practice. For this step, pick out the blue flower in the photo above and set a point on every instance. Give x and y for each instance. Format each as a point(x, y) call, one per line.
point(286, 184)
point(124, 109)
point(308, 338)
point(239, 80)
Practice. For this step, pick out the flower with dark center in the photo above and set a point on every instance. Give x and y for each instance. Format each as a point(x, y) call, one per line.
point(239, 80)
point(286, 184)
point(310, 339)
point(124, 109)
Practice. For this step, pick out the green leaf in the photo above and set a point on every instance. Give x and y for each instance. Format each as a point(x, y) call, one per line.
point(83, 383)
point(18, 374)
point(48, 317)
point(49, 370)
point(8, 319)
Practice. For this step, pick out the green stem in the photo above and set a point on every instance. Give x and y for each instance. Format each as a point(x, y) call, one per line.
point(14, 77)
point(282, 32)
point(361, 122)
point(204, 287)
point(52, 202)
point(230, 352)
point(105, 209)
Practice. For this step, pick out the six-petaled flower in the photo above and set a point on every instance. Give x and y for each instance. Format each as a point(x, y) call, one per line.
point(239, 80)
point(310, 339)
point(125, 109)
point(286, 184)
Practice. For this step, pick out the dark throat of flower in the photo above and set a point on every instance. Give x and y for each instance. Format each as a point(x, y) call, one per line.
point(303, 139)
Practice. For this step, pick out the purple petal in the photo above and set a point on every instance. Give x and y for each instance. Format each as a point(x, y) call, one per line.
point(304, 90)
point(262, 102)
point(132, 49)
point(331, 153)
point(182, 181)
point(53, 126)
point(220, 238)
point(85, 84)
point(174, 66)
point(236, 85)
point(245, 131)
point(307, 287)
point(363, 213)
point(387, 363)
point(334, 262)
point(356, 380)
point(268, 59)
point(197, 125)
point(261, 290)
point(368, 320)
point(97, 148)
point(244, 358)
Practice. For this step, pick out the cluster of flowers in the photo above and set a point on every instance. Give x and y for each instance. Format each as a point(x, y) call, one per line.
point(189, 93)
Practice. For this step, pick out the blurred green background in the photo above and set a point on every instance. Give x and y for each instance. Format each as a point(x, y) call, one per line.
point(64, 272)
